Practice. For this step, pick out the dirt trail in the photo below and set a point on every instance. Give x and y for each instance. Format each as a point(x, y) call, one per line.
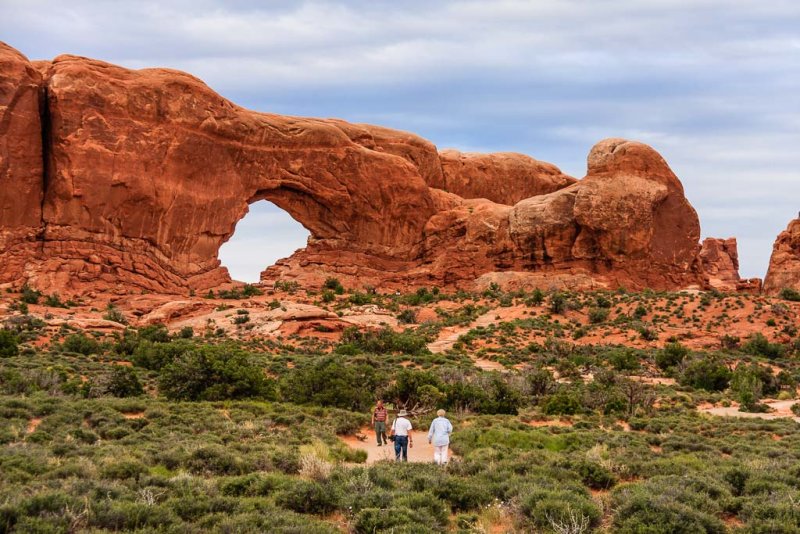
point(781, 409)
point(421, 452)
point(449, 335)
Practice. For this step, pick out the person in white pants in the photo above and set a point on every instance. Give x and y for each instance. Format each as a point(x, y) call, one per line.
point(439, 436)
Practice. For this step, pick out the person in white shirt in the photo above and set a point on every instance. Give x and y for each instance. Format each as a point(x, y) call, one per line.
point(401, 430)
point(439, 436)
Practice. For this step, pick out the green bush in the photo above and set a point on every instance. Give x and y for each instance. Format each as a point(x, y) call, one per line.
point(757, 344)
point(331, 382)
point(788, 293)
point(598, 315)
point(706, 372)
point(8, 344)
point(30, 295)
point(461, 494)
point(384, 341)
point(214, 373)
point(81, 344)
point(562, 402)
point(547, 508)
point(123, 382)
point(308, 497)
point(333, 284)
point(671, 355)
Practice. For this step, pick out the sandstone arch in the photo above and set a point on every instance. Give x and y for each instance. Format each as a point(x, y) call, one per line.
point(138, 177)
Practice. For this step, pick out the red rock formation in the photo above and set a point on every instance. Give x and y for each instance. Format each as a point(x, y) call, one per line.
point(784, 265)
point(21, 172)
point(720, 259)
point(505, 177)
point(149, 171)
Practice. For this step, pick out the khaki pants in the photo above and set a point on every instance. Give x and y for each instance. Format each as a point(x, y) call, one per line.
point(380, 432)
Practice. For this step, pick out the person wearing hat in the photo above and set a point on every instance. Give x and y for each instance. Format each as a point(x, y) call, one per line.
point(401, 430)
point(439, 435)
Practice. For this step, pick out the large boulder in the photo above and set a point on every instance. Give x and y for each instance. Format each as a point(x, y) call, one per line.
point(503, 177)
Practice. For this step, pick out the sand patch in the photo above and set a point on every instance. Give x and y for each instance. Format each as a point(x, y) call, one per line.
point(33, 424)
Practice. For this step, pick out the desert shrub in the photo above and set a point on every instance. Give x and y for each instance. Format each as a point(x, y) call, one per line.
point(8, 344)
point(558, 303)
point(562, 402)
point(788, 293)
point(333, 284)
point(214, 373)
point(598, 315)
point(114, 314)
point(123, 469)
point(123, 382)
point(391, 520)
point(407, 316)
point(668, 504)
point(706, 372)
point(594, 475)
point(155, 333)
point(30, 295)
point(623, 359)
point(331, 382)
point(215, 460)
point(328, 296)
point(462, 495)
point(758, 344)
point(384, 341)
point(154, 356)
point(671, 355)
point(308, 497)
point(252, 485)
point(81, 344)
point(548, 507)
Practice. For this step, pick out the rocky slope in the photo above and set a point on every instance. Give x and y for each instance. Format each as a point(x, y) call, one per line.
point(784, 265)
point(142, 175)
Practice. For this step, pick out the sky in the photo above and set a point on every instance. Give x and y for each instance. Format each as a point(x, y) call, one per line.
point(713, 85)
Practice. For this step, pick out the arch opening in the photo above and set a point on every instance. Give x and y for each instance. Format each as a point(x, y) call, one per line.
point(264, 235)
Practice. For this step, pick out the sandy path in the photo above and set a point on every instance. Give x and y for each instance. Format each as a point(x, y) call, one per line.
point(449, 335)
point(782, 410)
point(421, 451)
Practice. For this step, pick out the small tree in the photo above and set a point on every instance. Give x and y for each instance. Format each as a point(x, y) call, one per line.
point(8, 344)
point(124, 382)
point(747, 389)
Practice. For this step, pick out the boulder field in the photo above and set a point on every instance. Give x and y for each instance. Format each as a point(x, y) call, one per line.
point(127, 180)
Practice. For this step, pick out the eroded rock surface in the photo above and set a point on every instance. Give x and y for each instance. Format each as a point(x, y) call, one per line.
point(784, 265)
point(144, 174)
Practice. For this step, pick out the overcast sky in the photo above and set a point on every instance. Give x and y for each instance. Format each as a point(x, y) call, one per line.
point(713, 85)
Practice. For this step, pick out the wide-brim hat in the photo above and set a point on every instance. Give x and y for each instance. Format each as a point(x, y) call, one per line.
point(402, 413)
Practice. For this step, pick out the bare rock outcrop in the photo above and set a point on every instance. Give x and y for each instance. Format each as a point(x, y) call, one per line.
point(503, 177)
point(784, 264)
point(144, 174)
point(720, 259)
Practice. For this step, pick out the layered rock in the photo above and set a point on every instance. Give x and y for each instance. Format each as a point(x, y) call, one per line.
point(147, 173)
point(505, 177)
point(784, 264)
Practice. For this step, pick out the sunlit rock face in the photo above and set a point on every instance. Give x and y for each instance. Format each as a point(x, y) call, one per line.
point(116, 179)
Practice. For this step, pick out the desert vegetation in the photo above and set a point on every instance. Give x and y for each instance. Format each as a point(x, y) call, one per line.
point(573, 412)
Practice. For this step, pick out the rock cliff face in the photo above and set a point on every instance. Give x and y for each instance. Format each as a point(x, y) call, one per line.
point(21, 172)
point(784, 265)
point(142, 175)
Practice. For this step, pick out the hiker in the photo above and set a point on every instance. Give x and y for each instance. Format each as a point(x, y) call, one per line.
point(401, 431)
point(439, 436)
point(379, 415)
